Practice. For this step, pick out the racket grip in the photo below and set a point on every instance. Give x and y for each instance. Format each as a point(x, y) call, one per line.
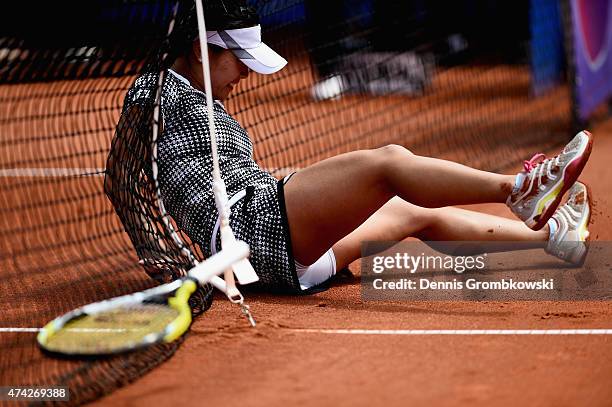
point(218, 263)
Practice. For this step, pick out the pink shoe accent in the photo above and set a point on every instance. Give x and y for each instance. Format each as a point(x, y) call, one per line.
point(535, 160)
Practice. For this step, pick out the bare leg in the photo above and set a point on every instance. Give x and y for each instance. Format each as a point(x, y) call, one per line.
point(328, 200)
point(398, 220)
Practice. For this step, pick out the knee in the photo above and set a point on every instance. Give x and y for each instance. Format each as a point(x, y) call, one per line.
point(430, 222)
point(389, 159)
point(393, 151)
point(389, 156)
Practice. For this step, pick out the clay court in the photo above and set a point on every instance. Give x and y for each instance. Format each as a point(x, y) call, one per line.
point(223, 361)
point(297, 354)
point(62, 246)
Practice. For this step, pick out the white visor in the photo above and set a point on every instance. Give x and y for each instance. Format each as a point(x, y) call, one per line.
point(246, 44)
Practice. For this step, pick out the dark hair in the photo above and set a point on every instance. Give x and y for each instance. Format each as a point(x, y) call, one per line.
point(218, 15)
point(229, 14)
point(215, 49)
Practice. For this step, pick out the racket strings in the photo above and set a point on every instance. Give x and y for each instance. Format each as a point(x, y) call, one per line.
point(117, 329)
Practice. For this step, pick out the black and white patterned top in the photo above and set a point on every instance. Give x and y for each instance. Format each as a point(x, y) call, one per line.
point(185, 178)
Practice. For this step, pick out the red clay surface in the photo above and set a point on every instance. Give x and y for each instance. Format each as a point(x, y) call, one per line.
point(480, 115)
point(224, 362)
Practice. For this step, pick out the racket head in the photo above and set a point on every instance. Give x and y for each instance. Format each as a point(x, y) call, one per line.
point(121, 324)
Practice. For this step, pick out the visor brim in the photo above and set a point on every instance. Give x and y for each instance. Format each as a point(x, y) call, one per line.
point(264, 60)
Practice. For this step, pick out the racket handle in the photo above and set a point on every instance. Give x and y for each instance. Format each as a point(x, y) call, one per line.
point(218, 263)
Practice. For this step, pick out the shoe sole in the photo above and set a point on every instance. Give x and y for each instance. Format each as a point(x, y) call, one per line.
point(571, 174)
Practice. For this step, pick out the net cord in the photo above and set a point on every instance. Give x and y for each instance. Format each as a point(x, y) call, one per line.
point(221, 199)
point(216, 281)
point(219, 190)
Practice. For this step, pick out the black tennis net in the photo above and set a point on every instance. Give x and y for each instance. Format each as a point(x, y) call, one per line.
point(79, 214)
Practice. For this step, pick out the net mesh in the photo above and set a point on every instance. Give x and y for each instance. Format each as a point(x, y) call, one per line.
point(79, 219)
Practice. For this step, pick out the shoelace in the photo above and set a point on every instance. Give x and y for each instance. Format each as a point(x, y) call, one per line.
point(529, 165)
point(568, 215)
point(541, 164)
point(567, 218)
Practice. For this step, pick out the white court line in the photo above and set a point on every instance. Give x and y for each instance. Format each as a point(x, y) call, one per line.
point(92, 172)
point(51, 172)
point(417, 332)
point(414, 332)
point(84, 330)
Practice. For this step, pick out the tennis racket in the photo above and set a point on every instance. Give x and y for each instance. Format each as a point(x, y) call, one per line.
point(160, 314)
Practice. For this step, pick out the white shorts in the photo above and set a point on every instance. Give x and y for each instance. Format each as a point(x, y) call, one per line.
point(318, 272)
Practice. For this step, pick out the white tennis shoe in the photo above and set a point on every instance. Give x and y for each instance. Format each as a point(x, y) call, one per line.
point(545, 181)
point(570, 233)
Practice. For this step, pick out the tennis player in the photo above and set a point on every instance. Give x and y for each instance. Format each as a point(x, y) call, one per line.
point(306, 226)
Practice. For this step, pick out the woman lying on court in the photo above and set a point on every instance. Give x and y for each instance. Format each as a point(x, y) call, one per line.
point(303, 228)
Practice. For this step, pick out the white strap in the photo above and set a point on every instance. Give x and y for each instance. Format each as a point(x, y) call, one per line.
point(213, 242)
point(218, 185)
